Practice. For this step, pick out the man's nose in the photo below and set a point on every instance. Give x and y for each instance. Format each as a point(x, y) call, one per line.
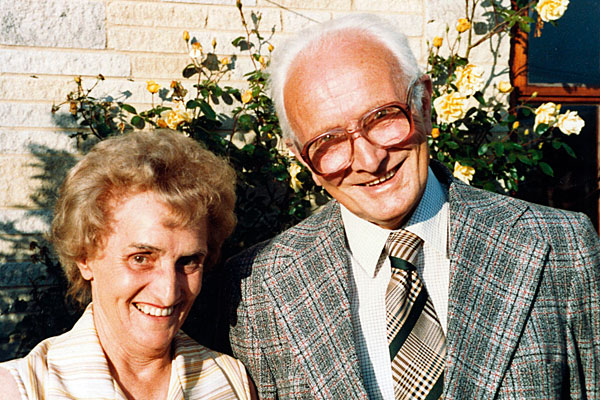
point(367, 157)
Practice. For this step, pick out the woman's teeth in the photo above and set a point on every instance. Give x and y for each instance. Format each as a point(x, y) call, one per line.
point(154, 311)
point(384, 178)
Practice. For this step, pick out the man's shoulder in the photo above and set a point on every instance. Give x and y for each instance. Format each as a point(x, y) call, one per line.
point(497, 209)
point(323, 225)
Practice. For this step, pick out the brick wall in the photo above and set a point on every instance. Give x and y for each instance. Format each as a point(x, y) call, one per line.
point(45, 43)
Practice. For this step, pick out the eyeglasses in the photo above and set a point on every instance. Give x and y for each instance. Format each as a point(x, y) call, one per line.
point(386, 126)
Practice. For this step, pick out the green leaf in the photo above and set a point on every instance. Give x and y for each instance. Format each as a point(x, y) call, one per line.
point(569, 150)
point(452, 145)
point(547, 169)
point(541, 129)
point(211, 62)
point(189, 71)
point(556, 144)
point(499, 148)
point(191, 104)
point(524, 159)
point(479, 97)
point(526, 112)
point(208, 111)
point(525, 27)
point(128, 108)
point(237, 40)
point(482, 149)
point(138, 122)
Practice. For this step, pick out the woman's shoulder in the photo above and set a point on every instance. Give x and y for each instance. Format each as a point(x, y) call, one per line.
point(195, 354)
point(27, 374)
point(209, 371)
point(10, 389)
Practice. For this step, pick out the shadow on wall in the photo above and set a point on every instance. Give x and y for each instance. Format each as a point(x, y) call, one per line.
point(32, 302)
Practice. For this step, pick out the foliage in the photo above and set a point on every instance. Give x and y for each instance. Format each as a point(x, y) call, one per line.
point(274, 191)
point(47, 311)
point(487, 144)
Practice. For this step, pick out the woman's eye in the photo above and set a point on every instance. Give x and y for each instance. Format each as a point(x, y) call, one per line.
point(140, 259)
point(190, 264)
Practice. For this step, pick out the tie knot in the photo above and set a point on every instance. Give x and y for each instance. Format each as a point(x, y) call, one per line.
point(404, 245)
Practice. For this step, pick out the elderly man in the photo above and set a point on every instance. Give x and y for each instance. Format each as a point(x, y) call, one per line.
point(409, 284)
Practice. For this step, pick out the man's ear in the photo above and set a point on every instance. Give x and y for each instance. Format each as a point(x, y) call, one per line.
point(425, 102)
point(294, 149)
point(85, 269)
point(425, 80)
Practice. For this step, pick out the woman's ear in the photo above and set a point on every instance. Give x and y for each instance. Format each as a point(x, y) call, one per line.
point(85, 269)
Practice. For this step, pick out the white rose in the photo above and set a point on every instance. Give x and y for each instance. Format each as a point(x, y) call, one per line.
point(451, 107)
point(546, 114)
point(551, 10)
point(570, 123)
point(469, 79)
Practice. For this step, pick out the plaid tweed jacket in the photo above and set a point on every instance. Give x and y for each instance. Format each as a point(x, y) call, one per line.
point(523, 310)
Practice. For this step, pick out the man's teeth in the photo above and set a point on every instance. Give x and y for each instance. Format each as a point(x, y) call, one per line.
point(154, 311)
point(382, 179)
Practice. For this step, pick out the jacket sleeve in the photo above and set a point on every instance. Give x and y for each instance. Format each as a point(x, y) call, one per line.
point(247, 315)
point(583, 317)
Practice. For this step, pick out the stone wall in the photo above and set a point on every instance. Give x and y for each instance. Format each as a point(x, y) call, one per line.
point(45, 43)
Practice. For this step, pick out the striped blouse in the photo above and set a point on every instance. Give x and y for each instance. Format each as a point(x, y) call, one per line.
point(73, 366)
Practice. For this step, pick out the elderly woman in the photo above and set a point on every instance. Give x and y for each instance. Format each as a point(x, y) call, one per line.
point(137, 221)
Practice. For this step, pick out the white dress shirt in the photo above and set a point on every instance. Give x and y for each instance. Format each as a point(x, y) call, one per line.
point(366, 242)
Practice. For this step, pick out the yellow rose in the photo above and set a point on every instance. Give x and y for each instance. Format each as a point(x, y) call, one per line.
point(551, 10)
point(437, 41)
point(463, 172)
point(463, 25)
point(546, 114)
point(214, 43)
point(451, 107)
point(435, 133)
point(173, 118)
point(225, 61)
point(152, 86)
point(247, 96)
point(295, 183)
point(162, 123)
point(570, 123)
point(469, 79)
point(271, 47)
point(505, 87)
point(261, 60)
point(526, 132)
point(186, 36)
point(515, 125)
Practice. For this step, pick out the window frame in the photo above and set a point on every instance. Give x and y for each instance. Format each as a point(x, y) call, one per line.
point(559, 93)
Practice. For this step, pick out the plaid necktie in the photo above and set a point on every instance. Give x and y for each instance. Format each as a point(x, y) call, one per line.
point(417, 342)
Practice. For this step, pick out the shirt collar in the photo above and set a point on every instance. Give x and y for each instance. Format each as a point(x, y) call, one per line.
point(429, 221)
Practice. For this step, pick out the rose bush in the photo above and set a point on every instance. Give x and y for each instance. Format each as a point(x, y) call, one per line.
point(478, 136)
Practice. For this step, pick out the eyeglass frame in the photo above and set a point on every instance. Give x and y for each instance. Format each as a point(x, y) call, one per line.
point(352, 133)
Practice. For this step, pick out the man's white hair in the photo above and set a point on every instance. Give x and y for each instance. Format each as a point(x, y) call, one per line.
point(310, 39)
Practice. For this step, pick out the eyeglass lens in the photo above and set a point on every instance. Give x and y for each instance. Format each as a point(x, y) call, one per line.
point(385, 127)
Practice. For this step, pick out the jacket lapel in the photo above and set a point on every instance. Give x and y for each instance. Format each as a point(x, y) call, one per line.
point(310, 296)
point(495, 270)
